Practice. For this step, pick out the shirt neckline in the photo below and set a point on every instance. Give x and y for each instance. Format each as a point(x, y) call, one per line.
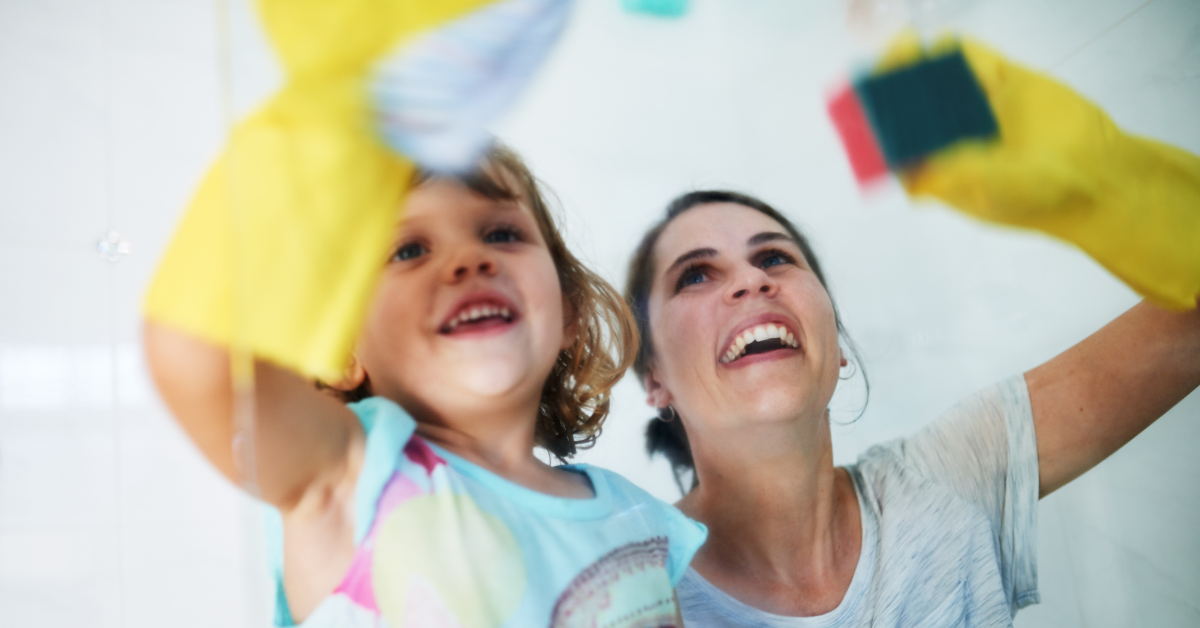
point(595, 507)
point(855, 594)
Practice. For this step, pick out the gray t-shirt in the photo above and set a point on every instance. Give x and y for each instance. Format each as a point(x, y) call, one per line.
point(949, 523)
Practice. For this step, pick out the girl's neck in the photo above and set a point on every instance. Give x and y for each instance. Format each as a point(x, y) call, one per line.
point(784, 523)
point(502, 442)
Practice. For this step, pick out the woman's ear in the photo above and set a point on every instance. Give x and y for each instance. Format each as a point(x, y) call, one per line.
point(352, 377)
point(657, 395)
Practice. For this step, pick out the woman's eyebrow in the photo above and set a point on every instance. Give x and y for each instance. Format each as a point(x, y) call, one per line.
point(689, 256)
point(768, 236)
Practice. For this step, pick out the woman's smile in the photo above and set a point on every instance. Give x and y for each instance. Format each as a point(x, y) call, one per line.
point(737, 277)
point(759, 339)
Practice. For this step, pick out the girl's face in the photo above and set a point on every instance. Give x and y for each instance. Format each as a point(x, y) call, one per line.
point(468, 316)
point(743, 330)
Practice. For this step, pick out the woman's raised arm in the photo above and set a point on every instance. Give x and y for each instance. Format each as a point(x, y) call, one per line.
point(303, 439)
point(1096, 396)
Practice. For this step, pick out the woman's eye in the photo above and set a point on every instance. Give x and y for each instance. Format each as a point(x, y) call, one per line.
point(690, 277)
point(502, 236)
point(775, 258)
point(409, 251)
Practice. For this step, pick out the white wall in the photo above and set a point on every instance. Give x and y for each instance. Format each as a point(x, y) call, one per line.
point(110, 110)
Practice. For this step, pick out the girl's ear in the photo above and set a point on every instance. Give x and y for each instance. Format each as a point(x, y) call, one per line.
point(352, 377)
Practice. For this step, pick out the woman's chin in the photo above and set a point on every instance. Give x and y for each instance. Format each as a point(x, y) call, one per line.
point(776, 404)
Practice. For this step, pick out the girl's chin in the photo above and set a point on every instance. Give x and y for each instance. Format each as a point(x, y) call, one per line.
point(489, 379)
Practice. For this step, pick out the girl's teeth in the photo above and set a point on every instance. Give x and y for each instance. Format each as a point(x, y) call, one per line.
point(477, 313)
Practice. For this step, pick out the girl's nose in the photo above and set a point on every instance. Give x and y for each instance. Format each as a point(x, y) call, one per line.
point(471, 262)
point(751, 282)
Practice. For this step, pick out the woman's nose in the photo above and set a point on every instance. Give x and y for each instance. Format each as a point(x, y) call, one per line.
point(750, 283)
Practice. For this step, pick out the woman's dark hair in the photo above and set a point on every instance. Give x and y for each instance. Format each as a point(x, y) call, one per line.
point(666, 434)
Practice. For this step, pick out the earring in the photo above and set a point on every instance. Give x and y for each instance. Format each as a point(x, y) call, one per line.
point(853, 370)
point(669, 412)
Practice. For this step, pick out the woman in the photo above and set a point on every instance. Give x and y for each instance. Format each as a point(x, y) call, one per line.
point(741, 356)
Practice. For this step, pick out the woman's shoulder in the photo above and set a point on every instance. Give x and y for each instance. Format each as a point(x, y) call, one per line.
point(972, 440)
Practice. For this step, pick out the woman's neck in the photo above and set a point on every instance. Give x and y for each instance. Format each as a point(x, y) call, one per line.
point(784, 523)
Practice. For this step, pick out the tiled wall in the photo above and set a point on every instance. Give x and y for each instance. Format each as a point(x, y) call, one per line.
point(111, 109)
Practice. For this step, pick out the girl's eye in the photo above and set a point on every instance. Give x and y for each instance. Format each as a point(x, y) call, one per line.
point(502, 235)
point(409, 251)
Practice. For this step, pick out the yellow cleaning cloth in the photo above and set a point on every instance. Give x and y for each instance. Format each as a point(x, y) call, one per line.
point(1063, 167)
point(280, 249)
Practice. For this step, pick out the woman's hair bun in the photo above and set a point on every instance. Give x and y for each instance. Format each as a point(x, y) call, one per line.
point(669, 438)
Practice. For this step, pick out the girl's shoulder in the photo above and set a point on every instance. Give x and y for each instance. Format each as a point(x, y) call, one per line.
point(631, 503)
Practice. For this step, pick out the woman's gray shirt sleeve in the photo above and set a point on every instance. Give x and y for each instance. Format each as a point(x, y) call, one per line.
point(984, 450)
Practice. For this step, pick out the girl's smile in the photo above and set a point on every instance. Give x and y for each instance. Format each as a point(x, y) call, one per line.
point(481, 313)
point(468, 315)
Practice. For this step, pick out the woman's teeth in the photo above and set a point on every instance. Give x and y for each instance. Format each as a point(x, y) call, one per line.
point(760, 333)
point(477, 313)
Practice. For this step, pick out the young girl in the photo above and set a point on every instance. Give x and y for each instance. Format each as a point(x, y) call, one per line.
point(421, 503)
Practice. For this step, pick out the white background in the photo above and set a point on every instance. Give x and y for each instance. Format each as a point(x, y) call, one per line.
point(111, 109)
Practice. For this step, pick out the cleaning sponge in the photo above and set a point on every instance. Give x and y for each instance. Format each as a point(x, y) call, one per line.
point(1056, 163)
point(895, 118)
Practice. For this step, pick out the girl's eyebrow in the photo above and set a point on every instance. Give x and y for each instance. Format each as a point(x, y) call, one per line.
point(505, 203)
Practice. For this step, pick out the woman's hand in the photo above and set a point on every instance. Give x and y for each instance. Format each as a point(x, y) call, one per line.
point(1096, 396)
point(1063, 167)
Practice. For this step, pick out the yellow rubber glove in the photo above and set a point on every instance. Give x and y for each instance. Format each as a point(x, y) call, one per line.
point(279, 251)
point(1063, 167)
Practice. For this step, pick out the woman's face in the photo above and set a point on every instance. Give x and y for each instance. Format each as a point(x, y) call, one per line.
point(743, 331)
point(468, 313)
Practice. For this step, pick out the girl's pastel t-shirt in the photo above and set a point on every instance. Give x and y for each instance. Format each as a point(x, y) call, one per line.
point(442, 542)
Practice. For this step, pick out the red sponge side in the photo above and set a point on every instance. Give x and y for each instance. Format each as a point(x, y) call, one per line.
point(866, 157)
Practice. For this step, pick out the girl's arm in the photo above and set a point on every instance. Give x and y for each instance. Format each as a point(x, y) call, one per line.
point(305, 443)
point(1096, 396)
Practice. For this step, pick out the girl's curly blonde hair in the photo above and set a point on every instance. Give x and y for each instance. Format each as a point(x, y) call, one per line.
point(578, 391)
